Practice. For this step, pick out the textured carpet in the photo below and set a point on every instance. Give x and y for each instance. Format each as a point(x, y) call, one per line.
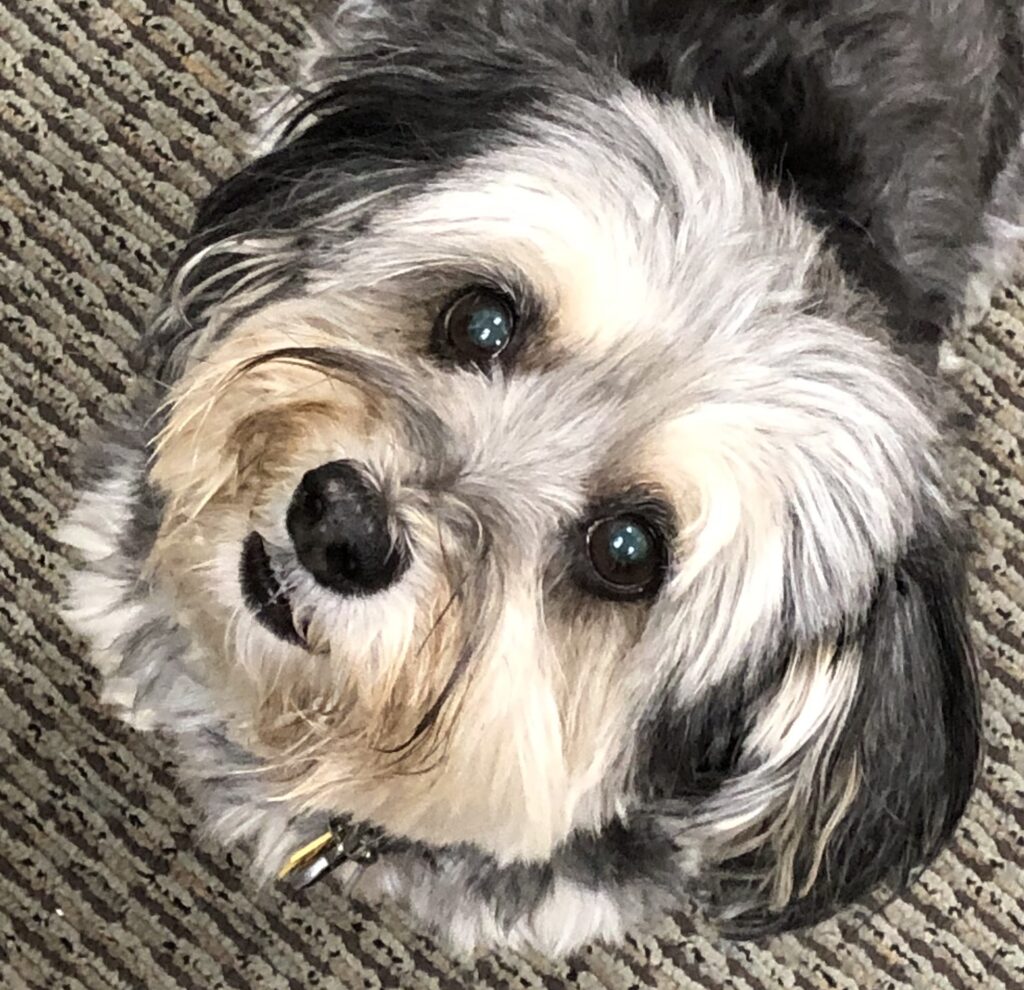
point(117, 114)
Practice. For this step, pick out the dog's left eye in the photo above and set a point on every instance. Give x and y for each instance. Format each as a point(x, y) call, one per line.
point(476, 327)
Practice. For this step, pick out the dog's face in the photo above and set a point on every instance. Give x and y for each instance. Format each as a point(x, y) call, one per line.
point(566, 486)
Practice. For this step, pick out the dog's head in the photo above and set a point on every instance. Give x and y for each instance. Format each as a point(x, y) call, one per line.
point(529, 466)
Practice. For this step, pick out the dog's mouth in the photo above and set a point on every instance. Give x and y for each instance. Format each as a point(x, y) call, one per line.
point(263, 593)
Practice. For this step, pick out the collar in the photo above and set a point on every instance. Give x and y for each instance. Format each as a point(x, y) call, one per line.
point(345, 841)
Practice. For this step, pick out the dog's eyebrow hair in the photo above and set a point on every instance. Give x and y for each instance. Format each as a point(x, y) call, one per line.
point(388, 381)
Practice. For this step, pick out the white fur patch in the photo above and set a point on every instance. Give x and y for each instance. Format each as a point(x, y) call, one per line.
point(101, 604)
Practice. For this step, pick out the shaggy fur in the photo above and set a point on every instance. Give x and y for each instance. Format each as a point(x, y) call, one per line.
point(731, 235)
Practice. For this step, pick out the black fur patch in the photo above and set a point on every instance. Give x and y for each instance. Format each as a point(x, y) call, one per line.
point(915, 733)
point(892, 146)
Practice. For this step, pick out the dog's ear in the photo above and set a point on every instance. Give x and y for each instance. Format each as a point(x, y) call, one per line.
point(387, 105)
point(384, 107)
point(855, 765)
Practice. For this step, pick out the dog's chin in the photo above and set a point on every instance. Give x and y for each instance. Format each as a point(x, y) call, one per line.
point(263, 594)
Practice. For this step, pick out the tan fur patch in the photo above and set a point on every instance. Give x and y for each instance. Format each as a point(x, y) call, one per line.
point(229, 424)
point(512, 764)
point(526, 745)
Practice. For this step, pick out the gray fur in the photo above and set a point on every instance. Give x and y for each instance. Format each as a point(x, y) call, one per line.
point(719, 283)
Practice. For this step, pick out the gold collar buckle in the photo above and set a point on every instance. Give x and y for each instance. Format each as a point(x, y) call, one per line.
point(345, 841)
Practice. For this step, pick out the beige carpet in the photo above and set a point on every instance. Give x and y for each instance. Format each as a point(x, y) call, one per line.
point(115, 115)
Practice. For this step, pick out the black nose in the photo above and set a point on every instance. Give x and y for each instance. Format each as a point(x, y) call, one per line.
point(338, 522)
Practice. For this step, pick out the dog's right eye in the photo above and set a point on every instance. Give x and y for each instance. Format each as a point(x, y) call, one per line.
point(475, 327)
point(626, 557)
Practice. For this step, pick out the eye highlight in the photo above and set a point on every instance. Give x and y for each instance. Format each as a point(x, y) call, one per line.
point(476, 327)
point(626, 556)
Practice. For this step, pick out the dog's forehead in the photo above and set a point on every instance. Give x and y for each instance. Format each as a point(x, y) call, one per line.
point(635, 221)
point(657, 253)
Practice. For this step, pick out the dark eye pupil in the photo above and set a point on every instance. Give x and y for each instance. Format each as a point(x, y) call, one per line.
point(489, 328)
point(628, 544)
point(478, 326)
point(626, 556)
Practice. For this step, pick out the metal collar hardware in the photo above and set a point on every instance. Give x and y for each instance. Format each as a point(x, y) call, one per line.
point(344, 842)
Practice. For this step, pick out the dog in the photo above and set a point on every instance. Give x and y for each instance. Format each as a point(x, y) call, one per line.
point(534, 504)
